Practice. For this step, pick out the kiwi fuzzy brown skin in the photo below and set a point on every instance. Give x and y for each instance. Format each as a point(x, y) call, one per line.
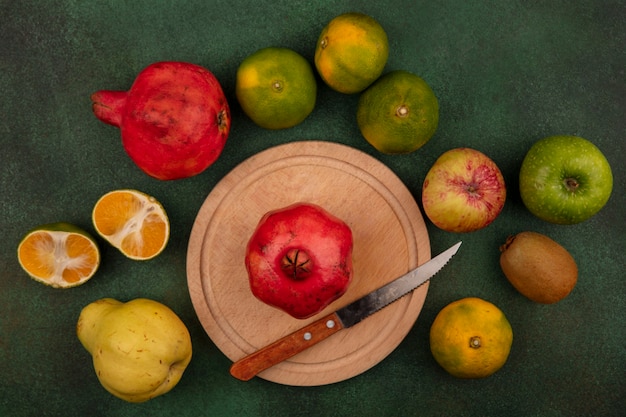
point(538, 267)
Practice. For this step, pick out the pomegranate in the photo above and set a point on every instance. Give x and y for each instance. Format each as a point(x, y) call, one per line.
point(299, 259)
point(174, 120)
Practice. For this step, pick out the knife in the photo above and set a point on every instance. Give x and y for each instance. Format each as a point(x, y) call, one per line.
point(288, 346)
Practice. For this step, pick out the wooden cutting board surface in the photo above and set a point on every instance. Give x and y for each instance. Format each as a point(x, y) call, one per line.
point(389, 234)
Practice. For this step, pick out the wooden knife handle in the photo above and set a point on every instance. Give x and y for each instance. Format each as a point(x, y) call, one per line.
point(249, 366)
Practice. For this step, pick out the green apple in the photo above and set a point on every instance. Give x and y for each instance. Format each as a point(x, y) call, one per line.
point(565, 179)
point(463, 191)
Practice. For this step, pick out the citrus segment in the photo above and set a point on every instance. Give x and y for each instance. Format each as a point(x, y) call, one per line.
point(276, 88)
point(471, 338)
point(60, 255)
point(351, 52)
point(399, 113)
point(133, 222)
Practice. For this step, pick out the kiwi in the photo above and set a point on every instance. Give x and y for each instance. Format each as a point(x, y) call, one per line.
point(538, 267)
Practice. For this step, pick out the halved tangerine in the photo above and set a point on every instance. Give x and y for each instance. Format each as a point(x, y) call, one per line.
point(133, 222)
point(60, 255)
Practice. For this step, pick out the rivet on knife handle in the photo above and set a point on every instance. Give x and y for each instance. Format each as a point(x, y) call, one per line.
point(249, 366)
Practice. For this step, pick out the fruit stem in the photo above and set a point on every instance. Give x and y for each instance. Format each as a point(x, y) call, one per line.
point(474, 342)
point(402, 111)
point(297, 264)
point(507, 243)
point(277, 86)
point(571, 184)
point(222, 120)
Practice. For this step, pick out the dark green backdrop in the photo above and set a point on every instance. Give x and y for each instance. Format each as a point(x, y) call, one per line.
point(506, 73)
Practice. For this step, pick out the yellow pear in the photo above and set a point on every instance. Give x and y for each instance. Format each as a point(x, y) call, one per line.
point(140, 349)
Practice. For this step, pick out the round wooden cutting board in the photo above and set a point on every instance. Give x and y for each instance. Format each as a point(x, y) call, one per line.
point(390, 238)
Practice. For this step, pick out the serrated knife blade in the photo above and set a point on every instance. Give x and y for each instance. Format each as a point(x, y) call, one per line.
point(313, 333)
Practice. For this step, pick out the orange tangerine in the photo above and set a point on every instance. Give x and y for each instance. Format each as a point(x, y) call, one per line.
point(351, 52)
point(399, 113)
point(471, 338)
point(133, 222)
point(276, 88)
point(60, 255)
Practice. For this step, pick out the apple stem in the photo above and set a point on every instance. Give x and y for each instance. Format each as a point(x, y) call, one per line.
point(471, 189)
point(297, 264)
point(571, 184)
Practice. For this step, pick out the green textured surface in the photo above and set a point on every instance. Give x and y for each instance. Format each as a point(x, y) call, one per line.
point(506, 73)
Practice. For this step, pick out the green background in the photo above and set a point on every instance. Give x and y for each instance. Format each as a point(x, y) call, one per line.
point(506, 73)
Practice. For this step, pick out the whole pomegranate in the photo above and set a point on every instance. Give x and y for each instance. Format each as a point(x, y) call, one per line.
point(299, 259)
point(174, 119)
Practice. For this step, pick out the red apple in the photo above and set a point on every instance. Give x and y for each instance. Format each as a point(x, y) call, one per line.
point(299, 259)
point(463, 191)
